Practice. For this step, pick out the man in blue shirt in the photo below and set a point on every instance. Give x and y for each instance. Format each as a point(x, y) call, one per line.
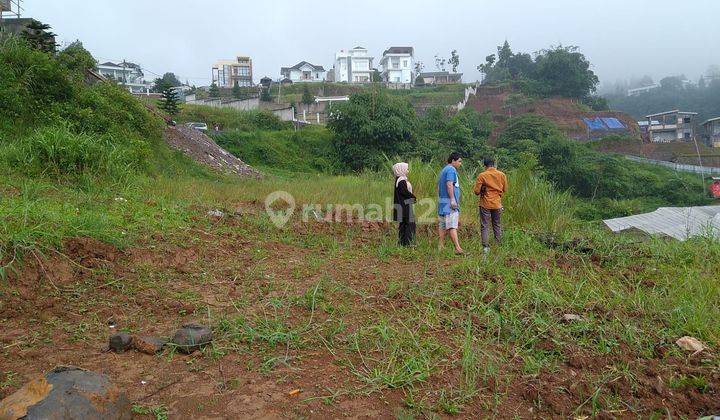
point(449, 201)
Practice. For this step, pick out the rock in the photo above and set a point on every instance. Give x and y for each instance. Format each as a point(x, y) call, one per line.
point(191, 337)
point(215, 213)
point(67, 392)
point(120, 342)
point(692, 344)
point(149, 344)
point(572, 317)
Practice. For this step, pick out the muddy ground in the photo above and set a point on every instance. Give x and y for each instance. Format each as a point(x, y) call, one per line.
point(62, 306)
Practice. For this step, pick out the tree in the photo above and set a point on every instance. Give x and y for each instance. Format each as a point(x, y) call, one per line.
point(371, 125)
point(454, 60)
point(376, 78)
point(214, 90)
point(307, 97)
point(671, 83)
point(167, 79)
point(170, 100)
point(38, 35)
point(440, 63)
point(265, 94)
point(76, 59)
point(563, 71)
point(236, 93)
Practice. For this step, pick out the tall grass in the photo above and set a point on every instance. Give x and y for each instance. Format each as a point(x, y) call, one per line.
point(232, 119)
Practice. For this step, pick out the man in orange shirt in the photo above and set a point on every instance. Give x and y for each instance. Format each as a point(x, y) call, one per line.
point(490, 185)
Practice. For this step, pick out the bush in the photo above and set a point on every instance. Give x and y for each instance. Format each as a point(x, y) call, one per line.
point(59, 152)
point(307, 150)
point(232, 119)
point(527, 127)
point(372, 125)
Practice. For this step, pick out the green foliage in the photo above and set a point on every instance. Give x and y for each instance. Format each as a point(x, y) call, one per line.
point(307, 97)
point(596, 103)
point(702, 100)
point(39, 36)
point(76, 59)
point(466, 132)
point(170, 100)
point(307, 150)
point(370, 125)
point(236, 92)
point(454, 60)
point(232, 119)
point(57, 151)
point(168, 79)
point(214, 90)
point(265, 95)
point(527, 127)
point(557, 71)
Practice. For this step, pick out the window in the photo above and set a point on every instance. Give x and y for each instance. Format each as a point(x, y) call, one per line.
point(687, 134)
point(686, 120)
point(405, 64)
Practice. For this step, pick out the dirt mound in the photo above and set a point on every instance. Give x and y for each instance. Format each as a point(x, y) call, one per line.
point(566, 113)
point(90, 252)
point(204, 150)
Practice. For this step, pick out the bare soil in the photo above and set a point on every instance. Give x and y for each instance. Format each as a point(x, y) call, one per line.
point(67, 303)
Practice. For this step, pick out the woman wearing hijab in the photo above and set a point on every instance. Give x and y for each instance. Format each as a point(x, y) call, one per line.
point(403, 208)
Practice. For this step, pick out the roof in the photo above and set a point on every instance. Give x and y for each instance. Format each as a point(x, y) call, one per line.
point(711, 120)
point(676, 111)
point(439, 73)
point(680, 223)
point(399, 50)
point(300, 64)
point(109, 64)
point(359, 48)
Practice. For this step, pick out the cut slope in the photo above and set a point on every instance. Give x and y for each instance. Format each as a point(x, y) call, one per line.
point(564, 112)
point(204, 150)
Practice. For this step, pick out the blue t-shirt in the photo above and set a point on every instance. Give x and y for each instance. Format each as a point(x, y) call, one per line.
point(447, 174)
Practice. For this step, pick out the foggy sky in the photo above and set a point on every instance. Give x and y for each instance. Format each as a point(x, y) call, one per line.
point(622, 39)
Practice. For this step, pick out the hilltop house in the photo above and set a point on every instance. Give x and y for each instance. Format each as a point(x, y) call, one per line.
point(226, 72)
point(712, 132)
point(304, 72)
point(397, 65)
point(354, 66)
point(127, 74)
point(673, 126)
point(440, 78)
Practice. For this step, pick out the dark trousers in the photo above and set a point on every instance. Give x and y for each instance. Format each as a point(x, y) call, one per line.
point(488, 216)
point(406, 232)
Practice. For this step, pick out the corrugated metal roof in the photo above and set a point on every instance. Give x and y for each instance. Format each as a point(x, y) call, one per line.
point(680, 223)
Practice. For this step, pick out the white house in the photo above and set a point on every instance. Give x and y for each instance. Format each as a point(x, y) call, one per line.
point(354, 66)
point(127, 74)
point(397, 65)
point(304, 72)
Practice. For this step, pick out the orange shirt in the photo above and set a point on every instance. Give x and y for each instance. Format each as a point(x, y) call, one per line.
point(495, 183)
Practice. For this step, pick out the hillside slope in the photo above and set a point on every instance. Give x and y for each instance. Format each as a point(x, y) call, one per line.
point(565, 113)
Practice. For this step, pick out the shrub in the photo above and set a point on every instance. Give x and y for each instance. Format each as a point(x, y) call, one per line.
point(527, 127)
point(370, 125)
point(58, 151)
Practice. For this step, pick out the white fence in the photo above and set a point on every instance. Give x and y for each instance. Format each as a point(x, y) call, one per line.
point(680, 167)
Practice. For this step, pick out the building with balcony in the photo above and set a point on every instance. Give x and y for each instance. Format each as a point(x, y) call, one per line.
point(354, 66)
point(672, 126)
point(398, 64)
point(226, 73)
point(127, 74)
point(712, 132)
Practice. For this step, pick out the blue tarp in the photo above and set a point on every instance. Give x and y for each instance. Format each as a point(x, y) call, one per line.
point(594, 124)
point(613, 123)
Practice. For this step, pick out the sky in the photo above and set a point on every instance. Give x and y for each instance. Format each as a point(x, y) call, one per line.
point(622, 39)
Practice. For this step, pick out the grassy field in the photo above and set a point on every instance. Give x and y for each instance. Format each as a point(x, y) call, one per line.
point(317, 312)
point(342, 313)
